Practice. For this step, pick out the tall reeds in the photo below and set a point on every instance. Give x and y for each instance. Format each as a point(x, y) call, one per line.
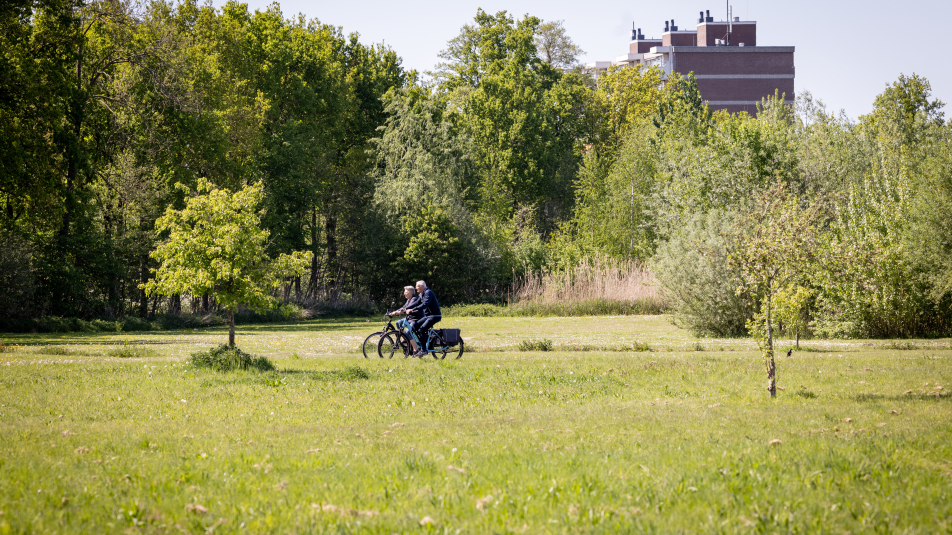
point(594, 286)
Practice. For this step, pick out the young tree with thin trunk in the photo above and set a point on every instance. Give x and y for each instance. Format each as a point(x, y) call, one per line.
point(216, 247)
point(772, 246)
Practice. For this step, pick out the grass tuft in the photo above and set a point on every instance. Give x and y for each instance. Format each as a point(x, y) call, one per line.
point(901, 346)
point(536, 345)
point(223, 359)
point(132, 352)
point(52, 350)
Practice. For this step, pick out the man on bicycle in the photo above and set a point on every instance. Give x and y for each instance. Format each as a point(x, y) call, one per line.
point(429, 307)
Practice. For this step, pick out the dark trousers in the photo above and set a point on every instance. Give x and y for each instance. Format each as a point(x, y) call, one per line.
point(423, 326)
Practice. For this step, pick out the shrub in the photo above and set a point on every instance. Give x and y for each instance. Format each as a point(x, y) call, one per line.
point(132, 323)
point(223, 359)
point(699, 282)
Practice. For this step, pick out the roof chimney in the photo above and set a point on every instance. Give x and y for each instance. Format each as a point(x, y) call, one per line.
point(709, 17)
point(700, 19)
point(673, 27)
point(665, 26)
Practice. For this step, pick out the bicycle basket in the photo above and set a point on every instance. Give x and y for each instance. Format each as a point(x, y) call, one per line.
point(450, 336)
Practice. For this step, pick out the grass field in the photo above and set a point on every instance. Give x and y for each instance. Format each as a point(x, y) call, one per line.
point(628, 425)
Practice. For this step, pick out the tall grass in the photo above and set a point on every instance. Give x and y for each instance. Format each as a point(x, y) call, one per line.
point(592, 287)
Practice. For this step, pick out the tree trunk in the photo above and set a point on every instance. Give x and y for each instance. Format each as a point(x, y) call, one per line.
point(231, 328)
point(143, 278)
point(771, 365)
point(205, 303)
point(330, 229)
point(72, 151)
point(312, 282)
point(798, 337)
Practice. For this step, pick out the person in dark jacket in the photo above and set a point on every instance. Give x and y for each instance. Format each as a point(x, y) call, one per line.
point(429, 308)
point(412, 315)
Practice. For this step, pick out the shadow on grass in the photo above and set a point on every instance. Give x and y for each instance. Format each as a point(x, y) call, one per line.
point(350, 373)
point(944, 396)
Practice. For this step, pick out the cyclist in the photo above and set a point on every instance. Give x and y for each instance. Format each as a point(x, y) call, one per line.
point(412, 315)
point(429, 308)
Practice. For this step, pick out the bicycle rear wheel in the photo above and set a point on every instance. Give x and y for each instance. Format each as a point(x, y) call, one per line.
point(437, 343)
point(370, 345)
point(393, 343)
point(457, 350)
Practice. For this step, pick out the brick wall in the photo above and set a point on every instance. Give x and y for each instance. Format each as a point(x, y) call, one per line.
point(679, 39)
point(643, 46)
point(743, 33)
point(744, 88)
point(742, 76)
point(734, 60)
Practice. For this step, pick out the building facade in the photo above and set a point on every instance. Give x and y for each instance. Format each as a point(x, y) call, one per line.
point(733, 73)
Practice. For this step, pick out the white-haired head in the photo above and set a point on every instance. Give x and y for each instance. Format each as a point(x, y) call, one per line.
point(420, 286)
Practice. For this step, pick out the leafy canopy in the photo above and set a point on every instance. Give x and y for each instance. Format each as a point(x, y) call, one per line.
point(216, 246)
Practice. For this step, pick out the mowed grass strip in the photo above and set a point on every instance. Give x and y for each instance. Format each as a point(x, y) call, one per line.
point(533, 442)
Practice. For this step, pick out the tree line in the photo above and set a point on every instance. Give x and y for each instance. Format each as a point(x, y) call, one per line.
point(507, 159)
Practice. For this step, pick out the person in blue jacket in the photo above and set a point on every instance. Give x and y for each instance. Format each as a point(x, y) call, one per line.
point(429, 309)
point(412, 315)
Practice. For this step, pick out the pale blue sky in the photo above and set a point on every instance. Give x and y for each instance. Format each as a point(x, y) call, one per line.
point(847, 51)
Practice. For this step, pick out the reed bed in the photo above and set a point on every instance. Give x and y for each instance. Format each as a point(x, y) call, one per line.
point(593, 287)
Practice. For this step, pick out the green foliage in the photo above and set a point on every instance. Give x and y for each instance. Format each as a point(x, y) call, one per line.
point(699, 281)
point(16, 277)
point(513, 163)
point(535, 345)
point(614, 203)
point(434, 252)
point(555, 47)
point(793, 308)
point(226, 359)
point(216, 247)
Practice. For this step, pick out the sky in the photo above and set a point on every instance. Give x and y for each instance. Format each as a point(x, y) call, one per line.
point(846, 51)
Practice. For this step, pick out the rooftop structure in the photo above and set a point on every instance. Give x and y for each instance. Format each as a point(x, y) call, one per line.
point(732, 72)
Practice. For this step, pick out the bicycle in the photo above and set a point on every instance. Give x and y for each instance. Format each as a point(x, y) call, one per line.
point(439, 344)
point(371, 343)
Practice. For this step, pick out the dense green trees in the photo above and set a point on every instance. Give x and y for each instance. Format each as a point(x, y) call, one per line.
point(504, 161)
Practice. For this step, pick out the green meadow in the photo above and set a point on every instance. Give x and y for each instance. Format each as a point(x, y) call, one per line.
point(628, 424)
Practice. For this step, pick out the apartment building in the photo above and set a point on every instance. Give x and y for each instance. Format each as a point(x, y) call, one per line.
point(733, 73)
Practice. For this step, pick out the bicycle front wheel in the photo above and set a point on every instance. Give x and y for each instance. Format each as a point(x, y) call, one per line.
point(369, 347)
point(393, 343)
